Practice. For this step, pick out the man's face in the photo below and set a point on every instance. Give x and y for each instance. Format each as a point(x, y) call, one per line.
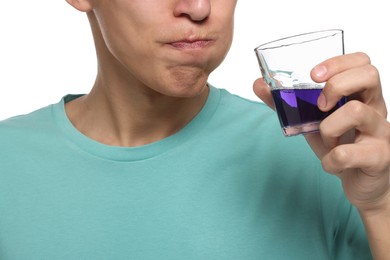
point(169, 46)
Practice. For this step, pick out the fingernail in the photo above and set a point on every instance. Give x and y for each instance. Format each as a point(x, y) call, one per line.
point(321, 101)
point(320, 71)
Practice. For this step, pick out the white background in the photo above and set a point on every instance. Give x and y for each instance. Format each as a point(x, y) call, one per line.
point(46, 49)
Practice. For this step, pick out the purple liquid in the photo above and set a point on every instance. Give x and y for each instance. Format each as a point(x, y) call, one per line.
point(299, 106)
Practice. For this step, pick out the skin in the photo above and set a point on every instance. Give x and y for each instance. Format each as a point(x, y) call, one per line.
point(354, 141)
point(154, 59)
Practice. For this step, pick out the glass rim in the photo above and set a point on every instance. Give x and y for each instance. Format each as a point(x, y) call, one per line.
point(279, 42)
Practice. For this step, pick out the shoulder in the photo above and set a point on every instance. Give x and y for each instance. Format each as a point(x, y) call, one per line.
point(237, 101)
point(24, 120)
point(240, 110)
point(20, 128)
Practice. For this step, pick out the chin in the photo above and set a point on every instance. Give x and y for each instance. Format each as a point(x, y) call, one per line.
point(186, 83)
point(187, 91)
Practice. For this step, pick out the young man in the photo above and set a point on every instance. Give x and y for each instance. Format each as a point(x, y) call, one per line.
point(154, 163)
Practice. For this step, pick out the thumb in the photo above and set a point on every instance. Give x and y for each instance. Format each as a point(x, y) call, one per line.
point(263, 91)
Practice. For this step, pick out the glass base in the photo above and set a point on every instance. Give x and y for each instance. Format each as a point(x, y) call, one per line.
point(307, 128)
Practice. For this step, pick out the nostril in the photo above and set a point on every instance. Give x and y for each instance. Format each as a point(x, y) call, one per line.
point(196, 10)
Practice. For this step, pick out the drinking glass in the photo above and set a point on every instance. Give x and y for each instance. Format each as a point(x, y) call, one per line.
point(285, 65)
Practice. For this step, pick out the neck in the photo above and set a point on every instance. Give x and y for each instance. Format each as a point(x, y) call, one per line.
point(126, 116)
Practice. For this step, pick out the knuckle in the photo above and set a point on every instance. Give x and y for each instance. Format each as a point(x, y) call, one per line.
point(382, 160)
point(372, 72)
point(364, 57)
point(335, 161)
point(326, 167)
point(325, 130)
point(355, 109)
point(340, 157)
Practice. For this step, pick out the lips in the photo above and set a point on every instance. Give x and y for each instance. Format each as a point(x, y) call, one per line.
point(194, 44)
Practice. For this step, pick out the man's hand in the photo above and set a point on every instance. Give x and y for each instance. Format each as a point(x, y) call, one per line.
point(354, 141)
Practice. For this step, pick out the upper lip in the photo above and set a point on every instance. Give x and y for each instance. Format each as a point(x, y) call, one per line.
point(189, 36)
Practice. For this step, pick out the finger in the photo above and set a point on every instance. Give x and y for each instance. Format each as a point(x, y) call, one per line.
point(262, 90)
point(353, 115)
point(371, 157)
point(315, 141)
point(330, 67)
point(361, 83)
point(349, 75)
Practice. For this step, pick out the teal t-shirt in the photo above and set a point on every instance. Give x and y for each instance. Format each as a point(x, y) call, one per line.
point(229, 185)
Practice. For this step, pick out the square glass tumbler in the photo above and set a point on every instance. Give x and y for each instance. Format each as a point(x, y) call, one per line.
point(286, 64)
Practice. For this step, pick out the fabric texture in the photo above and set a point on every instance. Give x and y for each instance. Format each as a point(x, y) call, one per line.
point(229, 185)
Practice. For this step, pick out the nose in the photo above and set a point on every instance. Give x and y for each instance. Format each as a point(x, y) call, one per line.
point(196, 10)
